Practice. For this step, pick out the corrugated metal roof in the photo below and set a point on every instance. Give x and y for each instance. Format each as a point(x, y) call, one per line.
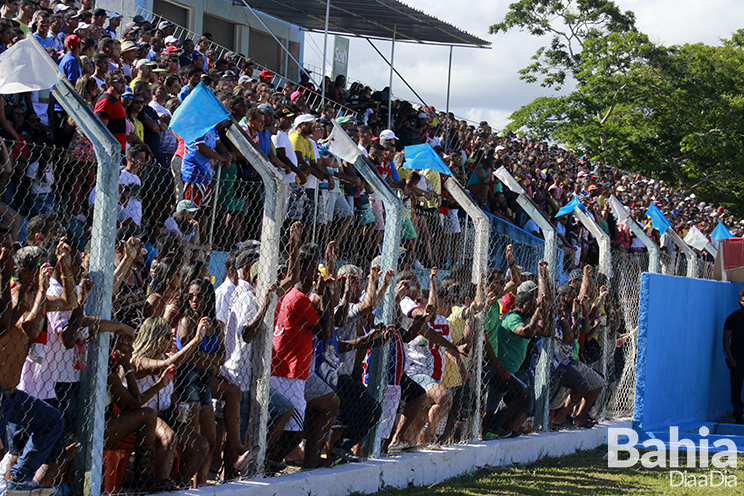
point(369, 19)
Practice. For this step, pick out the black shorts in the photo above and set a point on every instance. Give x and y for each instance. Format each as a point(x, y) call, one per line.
point(409, 389)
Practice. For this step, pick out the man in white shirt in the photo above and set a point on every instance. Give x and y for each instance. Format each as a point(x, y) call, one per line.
point(224, 292)
point(136, 158)
point(293, 202)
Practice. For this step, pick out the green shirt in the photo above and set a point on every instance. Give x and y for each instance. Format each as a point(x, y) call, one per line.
point(493, 316)
point(512, 349)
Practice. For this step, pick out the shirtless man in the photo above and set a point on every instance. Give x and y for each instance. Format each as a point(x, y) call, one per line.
point(22, 309)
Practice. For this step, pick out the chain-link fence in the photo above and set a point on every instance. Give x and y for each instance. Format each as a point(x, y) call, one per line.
point(279, 310)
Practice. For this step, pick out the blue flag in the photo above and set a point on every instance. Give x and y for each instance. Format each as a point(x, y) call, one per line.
point(424, 157)
point(658, 220)
point(721, 232)
point(197, 114)
point(569, 207)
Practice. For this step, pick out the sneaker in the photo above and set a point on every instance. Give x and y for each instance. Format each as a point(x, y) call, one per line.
point(28, 488)
point(345, 455)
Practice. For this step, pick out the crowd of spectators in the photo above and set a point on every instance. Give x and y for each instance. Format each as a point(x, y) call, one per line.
point(181, 370)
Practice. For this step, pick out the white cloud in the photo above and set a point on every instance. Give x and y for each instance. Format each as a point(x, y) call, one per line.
point(485, 83)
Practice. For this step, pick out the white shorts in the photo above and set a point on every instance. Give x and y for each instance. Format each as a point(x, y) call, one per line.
point(451, 223)
point(389, 411)
point(423, 380)
point(294, 391)
point(379, 214)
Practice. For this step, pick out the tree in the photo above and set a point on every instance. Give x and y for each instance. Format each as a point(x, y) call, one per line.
point(673, 113)
point(572, 24)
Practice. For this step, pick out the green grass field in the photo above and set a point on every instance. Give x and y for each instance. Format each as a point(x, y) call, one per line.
point(583, 473)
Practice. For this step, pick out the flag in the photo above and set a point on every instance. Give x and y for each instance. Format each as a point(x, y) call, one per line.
point(620, 211)
point(721, 232)
point(569, 207)
point(341, 145)
point(197, 114)
point(424, 157)
point(657, 219)
point(27, 67)
point(696, 239)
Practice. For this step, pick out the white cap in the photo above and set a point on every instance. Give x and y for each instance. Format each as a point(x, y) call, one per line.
point(147, 62)
point(60, 7)
point(82, 26)
point(114, 15)
point(170, 39)
point(388, 134)
point(302, 119)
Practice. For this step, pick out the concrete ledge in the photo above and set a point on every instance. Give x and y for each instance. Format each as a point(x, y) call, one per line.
point(417, 469)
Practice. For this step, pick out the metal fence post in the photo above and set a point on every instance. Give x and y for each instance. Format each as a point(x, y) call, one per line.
point(550, 255)
point(654, 252)
point(480, 267)
point(103, 240)
point(267, 263)
point(692, 268)
point(605, 264)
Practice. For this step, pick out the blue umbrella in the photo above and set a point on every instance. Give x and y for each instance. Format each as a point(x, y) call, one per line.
point(424, 157)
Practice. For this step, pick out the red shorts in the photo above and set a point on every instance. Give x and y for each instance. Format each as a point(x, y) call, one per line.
point(200, 194)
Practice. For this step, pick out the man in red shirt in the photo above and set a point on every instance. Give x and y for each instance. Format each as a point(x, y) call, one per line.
point(296, 324)
point(109, 108)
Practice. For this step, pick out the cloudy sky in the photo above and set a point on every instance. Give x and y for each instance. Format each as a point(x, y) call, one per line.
point(485, 83)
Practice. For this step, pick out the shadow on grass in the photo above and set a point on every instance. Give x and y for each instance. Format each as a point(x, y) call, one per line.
point(584, 473)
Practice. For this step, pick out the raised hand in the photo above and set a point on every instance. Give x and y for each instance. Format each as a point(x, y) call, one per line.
point(62, 252)
point(374, 273)
point(509, 252)
point(201, 330)
point(166, 377)
point(388, 278)
point(45, 272)
point(295, 232)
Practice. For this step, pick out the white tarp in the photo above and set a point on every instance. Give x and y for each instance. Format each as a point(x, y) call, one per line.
point(27, 67)
point(696, 238)
point(620, 211)
point(341, 145)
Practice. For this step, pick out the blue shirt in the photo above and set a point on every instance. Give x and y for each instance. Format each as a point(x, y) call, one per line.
point(196, 167)
point(185, 90)
point(45, 42)
point(264, 142)
point(70, 67)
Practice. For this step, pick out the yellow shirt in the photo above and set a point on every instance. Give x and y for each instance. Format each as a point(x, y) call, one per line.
point(435, 182)
point(302, 145)
point(451, 376)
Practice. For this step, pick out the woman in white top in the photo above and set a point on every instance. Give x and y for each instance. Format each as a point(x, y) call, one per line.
point(149, 360)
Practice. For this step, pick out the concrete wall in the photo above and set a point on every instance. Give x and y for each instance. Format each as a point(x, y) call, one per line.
point(416, 469)
point(681, 375)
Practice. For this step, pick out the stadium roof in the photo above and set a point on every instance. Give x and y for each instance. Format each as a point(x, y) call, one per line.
point(369, 19)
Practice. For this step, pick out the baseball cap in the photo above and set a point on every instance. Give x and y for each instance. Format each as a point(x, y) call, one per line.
point(186, 205)
point(173, 49)
point(265, 73)
point(138, 18)
point(526, 287)
point(128, 45)
point(72, 40)
point(114, 15)
point(81, 26)
point(576, 274)
point(227, 74)
point(283, 112)
point(295, 95)
point(60, 7)
point(388, 134)
point(170, 39)
point(302, 119)
point(165, 25)
point(243, 79)
point(145, 62)
point(266, 108)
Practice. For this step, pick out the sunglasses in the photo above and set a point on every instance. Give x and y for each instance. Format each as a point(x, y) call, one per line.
point(127, 97)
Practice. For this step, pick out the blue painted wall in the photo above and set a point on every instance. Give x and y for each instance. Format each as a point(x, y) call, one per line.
point(681, 372)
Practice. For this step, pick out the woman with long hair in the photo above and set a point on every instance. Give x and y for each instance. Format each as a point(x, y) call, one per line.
point(162, 298)
point(149, 362)
point(193, 378)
